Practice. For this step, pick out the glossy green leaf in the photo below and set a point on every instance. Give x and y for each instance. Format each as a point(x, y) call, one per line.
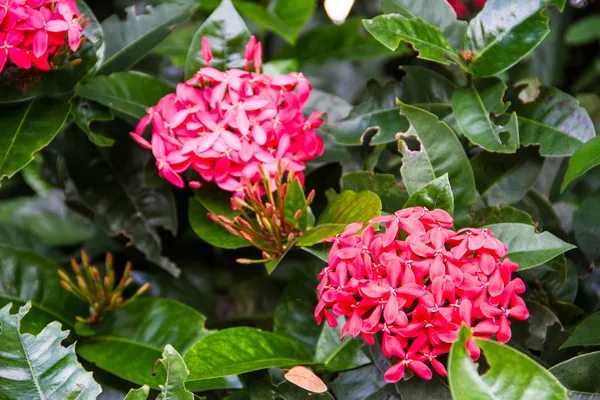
point(24, 239)
point(505, 31)
point(327, 42)
point(555, 121)
point(503, 179)
point(495, 215)
point(392, 195)
point(318, 233)
point(511, 375)
point(584, 159)
point(26, 129)
point(579, 373)
point(285, 18)
point(39, 367)
point(110, 182)
point(436, 194)
point(60, 81)
point(126, 93)
point(338, 355)
point(348, 207)
point(129, 40)
point(428, 40)
point(84, 113)
point(583, 31)
point(210, 231)
point(177, 372)
point(138, 394)
point(585, 224)
point(358, 384)
point(239, 350)
point(26, 276)
point(587, 333)
point(437, 12)
point(526, 247)
point(473, 108)
point(228, 36)
point(177, 44)
point(296, 200)
point(439, 153)
point(128, 341)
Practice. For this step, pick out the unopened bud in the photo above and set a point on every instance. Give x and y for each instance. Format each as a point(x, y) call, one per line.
point(75, 266)
point(66, 286)
point(311, 197)
point(84, 258)
point(297, 215)
point(143, 289)
point(212, 217)
point(225, 220)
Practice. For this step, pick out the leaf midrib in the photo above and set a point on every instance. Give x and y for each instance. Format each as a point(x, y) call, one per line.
point(15, 136)
point(33, 376)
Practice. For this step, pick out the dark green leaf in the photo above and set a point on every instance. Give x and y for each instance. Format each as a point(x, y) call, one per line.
point(128, 41)
point(427, 89)
point(437, 12)
point(285, 18)
point(128, 341)
point(177, 44)
point(579, 373)
point(126, 93)
point(503, 179)
point(338, 355)
point(85, 112)
point(358, 384)
point(24, 239)
point(62, 80)
point(240, 350)
point(587, 333)
point(583, 31)
point(584, 159)
point(210, 231)
point(526, 247)
point(177, 372)
point(228, 36)
point(296, 201)
point(473, 107)
point(426, 39)
point(26, 276)
point(511, 375)
point(555, 121)
point(495, 215)
point(505, 31)
point(138, 394)
point(586, 224)
point(439, 153)
point(26, 129)
point(436, 194)
point(272, 384)
point(110, 181)
point(415, 388)
point(392, 195)
point(39, 367)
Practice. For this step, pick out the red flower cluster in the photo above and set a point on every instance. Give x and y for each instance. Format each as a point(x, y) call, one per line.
point(462, 11)
point(225, 124)
point(32, 31)
point(418, 283)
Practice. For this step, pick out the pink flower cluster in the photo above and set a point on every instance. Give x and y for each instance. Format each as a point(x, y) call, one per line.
point(417, 283)
point(224, 125)
point(32, 31)
point(461, 9)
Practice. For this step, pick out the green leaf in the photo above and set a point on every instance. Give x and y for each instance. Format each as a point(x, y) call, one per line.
point(348, 207)
point(84, 113)
point(505, 31)
point(555, 121)
point(526, 247)
point(39, 367)
point(177, 372)
point(426, 39)
point(296, 200)
point(504, 179)
point(138, 394)
point(584, 159)
point(473, 107)
point(61, 81)
point(128, 41)
point(338, 355)
point(285, 18)
point(26, 276)
point(128, 94)
point(228, 36)
point(110, 182)
point(359, 384)
point(49, 218)
point(345, 42)
point(440, 152)
point(579, 373)
point(436, 194)
point(587, 333)
point(437, 12)
point(583, 31)
point(511, 375)
point(585, 224)
point(280, 67)
point(392, 195)
point(177, 44)
point(210, 231)
point(24, 239)
point(239, 350)
point(127, 342)
point(495, 215)
point(26, 129)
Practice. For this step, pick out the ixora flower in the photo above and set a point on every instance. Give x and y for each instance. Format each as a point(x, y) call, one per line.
point(461, 9)
point(224, 125)
point(416, 284)
point(32, 32)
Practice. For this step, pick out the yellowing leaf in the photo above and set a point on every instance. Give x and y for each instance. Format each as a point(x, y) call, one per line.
point(306, 379)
